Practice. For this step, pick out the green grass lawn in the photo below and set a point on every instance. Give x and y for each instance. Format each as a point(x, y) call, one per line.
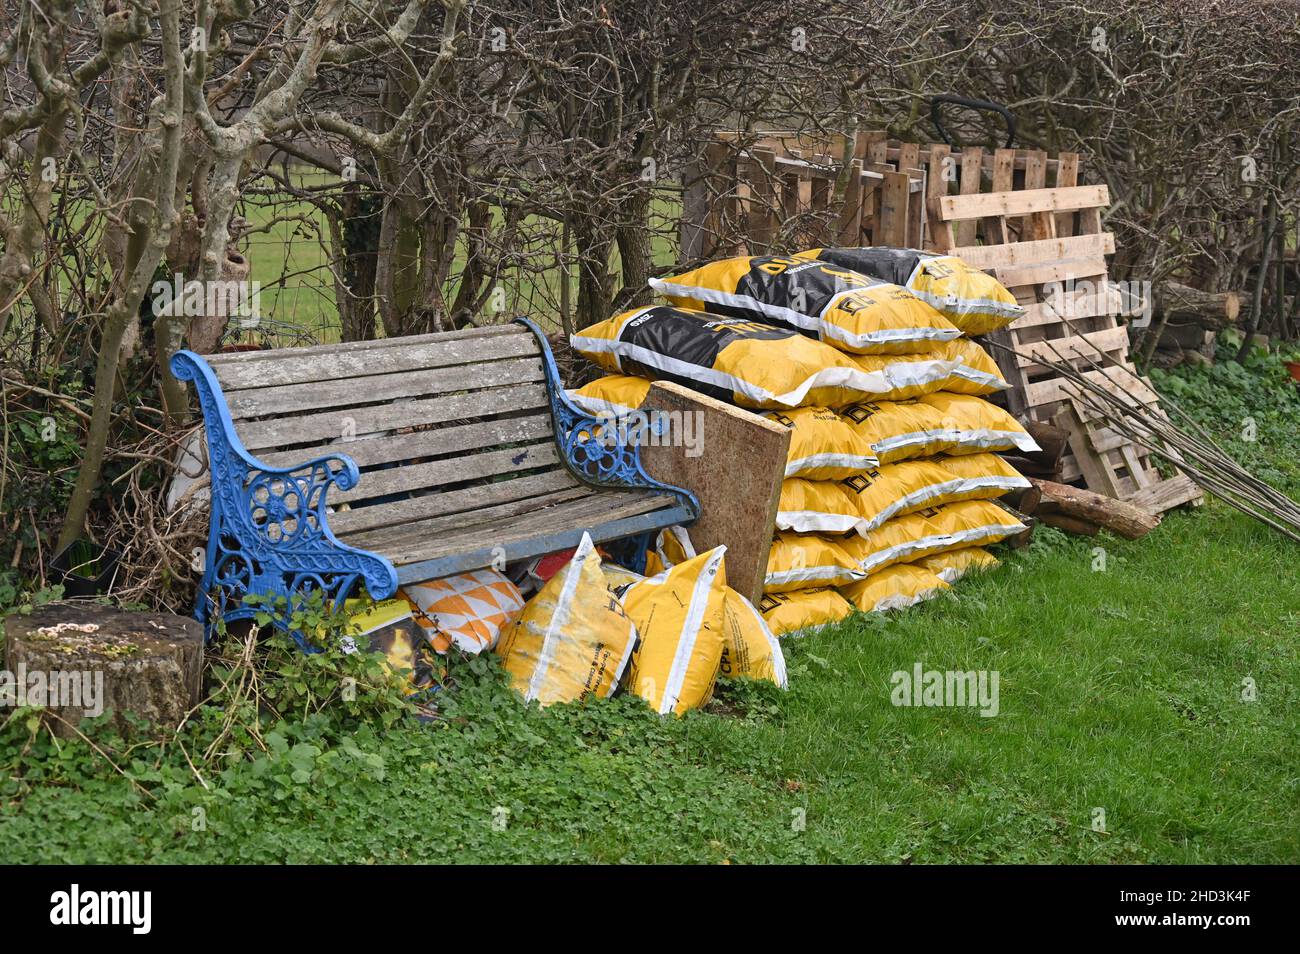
point(1120, 690)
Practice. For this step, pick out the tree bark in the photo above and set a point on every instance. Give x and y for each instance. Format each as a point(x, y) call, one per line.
point(1117, 516)
point(102, 659)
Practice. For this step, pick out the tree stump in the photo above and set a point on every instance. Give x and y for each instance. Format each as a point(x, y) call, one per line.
point(81, 659)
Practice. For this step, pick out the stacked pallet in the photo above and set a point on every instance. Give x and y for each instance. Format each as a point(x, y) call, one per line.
point(1017, 213)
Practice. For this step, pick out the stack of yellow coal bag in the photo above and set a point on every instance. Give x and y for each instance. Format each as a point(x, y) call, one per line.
point(892, 445)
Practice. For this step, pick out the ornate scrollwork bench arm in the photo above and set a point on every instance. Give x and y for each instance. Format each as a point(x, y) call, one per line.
point(269, 531)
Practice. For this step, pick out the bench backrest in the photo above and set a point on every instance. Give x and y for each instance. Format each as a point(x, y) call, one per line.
point(438, 424)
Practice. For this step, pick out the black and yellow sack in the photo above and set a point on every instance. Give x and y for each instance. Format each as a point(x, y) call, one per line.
point(933, 530)
point(853, 312)
point(939, 423)
point(802, 561)
point(823, 446)
point(389, 627)
point(975, 302)
point(802, 611)
point(894, 587)
point(614, 395)
point(750, 363)
point(974, 371)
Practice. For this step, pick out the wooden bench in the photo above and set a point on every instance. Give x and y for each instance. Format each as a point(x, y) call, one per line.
point(439, 454)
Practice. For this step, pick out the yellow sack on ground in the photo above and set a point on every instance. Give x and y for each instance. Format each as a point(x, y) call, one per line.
point(573, 639)
point(801, 561)
point(468, 611)
point(853, 312)
point(975, 371)
point(617, 577)
point(974, 301)
point(679, 615)
point(940, 423)
point(388, 627)
point(753, 364)
point(614, 395)
point(801, 611)
point(817, 506)
point(934, 530)
point(672, 545)
point(953, 565)
point(896, 489)
point(749, 649)
point(823, 446)
point(894, 587)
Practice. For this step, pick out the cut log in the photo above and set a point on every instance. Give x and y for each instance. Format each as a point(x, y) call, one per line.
point(1117, 516)
point(78, 660)
point(1046, 462)
point(1075, 525)
point(1183, 305)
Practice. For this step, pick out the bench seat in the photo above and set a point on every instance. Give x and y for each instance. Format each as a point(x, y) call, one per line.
point(374, 464)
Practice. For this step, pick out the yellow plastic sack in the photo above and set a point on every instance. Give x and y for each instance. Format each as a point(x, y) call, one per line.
point(895, 587)
point(911, 375)
point(679, 615)
point(801, 611)
point(467, 611)
point(750, 363)
point(896, 489)
point(823, 446)
point(573, 639)
point(801, 561)
point(934, 530)
point(853, 312)
point(817, 506)
point(614, 395)
point(975, 371)
point(749, 648)
point(975, 302)
point(953, 565)
point(388, 627)
point(940, 423)
point(672, 545)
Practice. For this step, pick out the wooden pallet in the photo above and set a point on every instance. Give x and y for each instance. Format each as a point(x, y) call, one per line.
point(1018, 213)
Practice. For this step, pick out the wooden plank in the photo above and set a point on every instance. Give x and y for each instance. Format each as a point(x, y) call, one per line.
point(1109, 342)
point(939, 234)
point(1039, 225)
point(580, 514)
point(1095, 469)
point(337, 425)
point(400, 512)
point(848, 228)
point(893, 210)
point(1074, 269)
point(971, 159)
point(1076, 306)
point(1167, 494)
point(413, 533)
point(287, 366)
point(1035, 253)
point(271, 356)
point(909, 162)
point(347, 392)
point(433, 475)
point(957, 207)
point(1003, 179)
point(738, 504)
point(392, 448)
point(1067, 175)
point(1112, 379)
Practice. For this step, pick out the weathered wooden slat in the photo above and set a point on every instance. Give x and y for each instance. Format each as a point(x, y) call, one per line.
point(256, 357)
point(356, 422)
point(1115, 380)
point(1036, 253)
point(1080, 305)
point(392, 448)
point(577, 514)
point(1166, 494)
point(1026, 202)
point(290, 366)
point(411, 534)
point(451, 501)
point(347, 392)
point(435, 474)
point(1073, 269)
point(971, 159)
point(1109, 342)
